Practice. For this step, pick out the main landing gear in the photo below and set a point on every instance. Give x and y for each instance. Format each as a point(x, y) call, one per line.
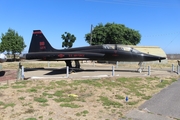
point(71, 68)
point(141, 67)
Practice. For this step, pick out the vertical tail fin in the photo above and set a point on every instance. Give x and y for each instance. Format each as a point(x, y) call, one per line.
point(39, 43)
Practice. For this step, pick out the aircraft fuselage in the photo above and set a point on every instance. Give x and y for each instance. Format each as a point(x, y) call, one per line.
point(99, 52)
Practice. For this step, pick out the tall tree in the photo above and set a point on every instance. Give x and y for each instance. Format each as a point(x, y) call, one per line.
point(112, 33)
point(12, 42)
point(68, 43)
point(68, 40)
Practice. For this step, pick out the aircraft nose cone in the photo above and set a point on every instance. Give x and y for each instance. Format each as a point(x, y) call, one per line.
point(148, 57)
point(161, 58)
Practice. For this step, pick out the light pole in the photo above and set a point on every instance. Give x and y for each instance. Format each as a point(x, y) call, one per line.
point(91, 34)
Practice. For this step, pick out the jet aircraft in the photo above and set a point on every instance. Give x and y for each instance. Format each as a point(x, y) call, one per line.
point(41, 49)
point(3, 58)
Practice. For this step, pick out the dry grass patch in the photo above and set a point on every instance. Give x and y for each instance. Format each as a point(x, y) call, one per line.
point(78, 99)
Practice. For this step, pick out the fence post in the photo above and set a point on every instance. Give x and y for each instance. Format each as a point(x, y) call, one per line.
point(22, 73)
point(67, 71)
point(113, 71)
point(149, 70)
point(19, 71)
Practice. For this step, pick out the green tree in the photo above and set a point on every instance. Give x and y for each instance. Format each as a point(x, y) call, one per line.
point(68, 43)
point(68, 40)
point(12, 42)
point(112, 33)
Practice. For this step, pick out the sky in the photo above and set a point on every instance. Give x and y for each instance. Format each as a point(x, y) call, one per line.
point(158, 21)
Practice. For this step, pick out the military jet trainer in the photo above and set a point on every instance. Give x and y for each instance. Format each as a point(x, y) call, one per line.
point(40, 49)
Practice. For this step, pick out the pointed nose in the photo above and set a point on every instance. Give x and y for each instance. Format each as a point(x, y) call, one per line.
point(148, 57)
point(161, 58)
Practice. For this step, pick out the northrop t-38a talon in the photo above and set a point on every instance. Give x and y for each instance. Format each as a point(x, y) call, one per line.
point(41, 49)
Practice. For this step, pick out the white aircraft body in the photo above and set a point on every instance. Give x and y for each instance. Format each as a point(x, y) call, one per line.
point(3, 58)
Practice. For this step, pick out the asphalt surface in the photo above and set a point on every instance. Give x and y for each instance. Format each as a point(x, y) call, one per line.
point(163, 106)
point(93, 72)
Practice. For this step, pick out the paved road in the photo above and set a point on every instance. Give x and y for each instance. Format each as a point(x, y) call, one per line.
point(163, 106)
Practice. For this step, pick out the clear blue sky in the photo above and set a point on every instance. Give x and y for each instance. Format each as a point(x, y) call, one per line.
point(158, 21)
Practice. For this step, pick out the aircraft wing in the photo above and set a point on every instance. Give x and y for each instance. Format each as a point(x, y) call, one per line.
point(63, 59)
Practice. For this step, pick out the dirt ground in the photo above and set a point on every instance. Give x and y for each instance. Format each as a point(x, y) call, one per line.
point(77, 97)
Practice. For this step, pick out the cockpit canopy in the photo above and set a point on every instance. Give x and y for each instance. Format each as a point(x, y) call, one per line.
point(109, 46)
point(120, 47)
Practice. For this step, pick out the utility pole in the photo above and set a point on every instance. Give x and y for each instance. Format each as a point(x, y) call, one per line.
point(91, 35)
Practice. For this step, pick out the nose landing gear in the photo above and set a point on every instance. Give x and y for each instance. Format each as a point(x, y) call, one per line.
point(141, 67)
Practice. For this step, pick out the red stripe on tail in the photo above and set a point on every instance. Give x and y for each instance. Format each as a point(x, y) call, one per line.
point(37, 32)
